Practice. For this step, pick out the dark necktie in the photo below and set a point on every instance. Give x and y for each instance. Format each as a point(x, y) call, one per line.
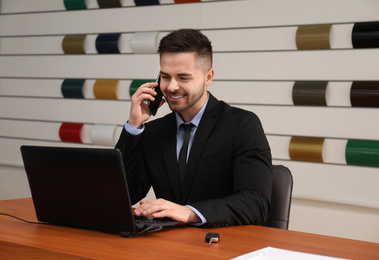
point(182, 162)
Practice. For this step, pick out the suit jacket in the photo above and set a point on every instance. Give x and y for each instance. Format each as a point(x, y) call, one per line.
point(228, 175)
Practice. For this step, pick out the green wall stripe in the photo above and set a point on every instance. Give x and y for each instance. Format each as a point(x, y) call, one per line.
point(136, 83)
point(72, 88)
point(75, 4)
point(362, 152)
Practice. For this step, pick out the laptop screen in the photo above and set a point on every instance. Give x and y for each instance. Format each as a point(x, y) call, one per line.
point(79, 187)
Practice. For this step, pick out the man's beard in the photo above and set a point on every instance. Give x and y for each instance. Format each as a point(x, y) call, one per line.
point(191, 103)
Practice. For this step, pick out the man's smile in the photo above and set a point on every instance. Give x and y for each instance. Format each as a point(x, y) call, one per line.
point(176, 97)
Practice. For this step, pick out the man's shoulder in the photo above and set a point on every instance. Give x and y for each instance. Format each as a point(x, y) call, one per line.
point(164, 120)
point(234, 111)
point(225, 107)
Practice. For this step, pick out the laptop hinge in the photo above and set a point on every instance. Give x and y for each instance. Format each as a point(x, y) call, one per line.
point(126, 234)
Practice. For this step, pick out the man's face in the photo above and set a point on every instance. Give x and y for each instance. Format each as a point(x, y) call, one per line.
point(184, 82)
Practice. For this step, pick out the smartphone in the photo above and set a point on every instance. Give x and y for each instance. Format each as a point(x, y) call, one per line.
point(154, 105)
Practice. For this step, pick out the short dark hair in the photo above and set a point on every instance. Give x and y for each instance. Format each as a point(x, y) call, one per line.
point(187, 40)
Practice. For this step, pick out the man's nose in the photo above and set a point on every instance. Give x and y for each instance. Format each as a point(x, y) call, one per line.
point(173, 85)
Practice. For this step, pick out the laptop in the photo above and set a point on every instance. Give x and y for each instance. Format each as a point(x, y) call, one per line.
point(84, 188)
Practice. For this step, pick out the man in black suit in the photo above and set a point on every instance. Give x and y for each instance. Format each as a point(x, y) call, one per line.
point(227, 179)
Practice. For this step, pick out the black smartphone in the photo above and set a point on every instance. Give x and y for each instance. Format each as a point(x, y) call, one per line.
point(154, 105)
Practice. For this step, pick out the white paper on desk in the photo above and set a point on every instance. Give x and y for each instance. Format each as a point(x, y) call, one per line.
point(271, 253)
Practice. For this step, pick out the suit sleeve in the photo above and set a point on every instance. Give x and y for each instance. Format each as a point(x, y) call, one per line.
point(130, 147)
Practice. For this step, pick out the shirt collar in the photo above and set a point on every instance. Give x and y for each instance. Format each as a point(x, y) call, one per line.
point(196, 119)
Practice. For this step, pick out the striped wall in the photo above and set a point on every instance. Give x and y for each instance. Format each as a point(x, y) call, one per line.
point(308, 69)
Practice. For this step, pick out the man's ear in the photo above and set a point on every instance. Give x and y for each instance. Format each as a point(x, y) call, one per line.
point(209, 77)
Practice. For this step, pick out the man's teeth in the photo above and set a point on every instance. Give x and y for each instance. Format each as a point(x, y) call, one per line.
point(176, 97)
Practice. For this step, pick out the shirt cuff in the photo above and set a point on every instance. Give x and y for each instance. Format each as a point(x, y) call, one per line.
point(203, 219)
point(132, 130)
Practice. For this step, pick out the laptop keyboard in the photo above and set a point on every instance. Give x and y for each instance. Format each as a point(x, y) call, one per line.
point(142, 221)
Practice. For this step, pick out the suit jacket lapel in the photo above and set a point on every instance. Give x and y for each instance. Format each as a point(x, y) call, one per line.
point(205, 127)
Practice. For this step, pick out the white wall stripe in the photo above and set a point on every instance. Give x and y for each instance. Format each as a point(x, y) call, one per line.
point(207, 15)
point(304, 65)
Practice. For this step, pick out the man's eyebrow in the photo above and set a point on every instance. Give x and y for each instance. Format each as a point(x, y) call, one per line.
point(179, 74)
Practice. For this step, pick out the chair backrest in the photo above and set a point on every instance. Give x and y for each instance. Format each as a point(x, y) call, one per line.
point(281, 197)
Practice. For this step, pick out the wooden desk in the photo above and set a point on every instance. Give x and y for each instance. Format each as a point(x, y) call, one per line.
point(19, 240)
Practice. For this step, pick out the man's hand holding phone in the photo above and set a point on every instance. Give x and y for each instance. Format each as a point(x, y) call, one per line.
point(140, 110)
point(154, 105)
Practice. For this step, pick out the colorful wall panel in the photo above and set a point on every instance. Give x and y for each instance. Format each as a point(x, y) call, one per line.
point(313, 37)
point(73, 44)
point(309, 93)
point(105, 88)
point(103, 135)
point(136, 84)
point(75, 4)
point(310, 74)
point(146, 2)
point(366, 35)
point(72, 88)
point(306, 149)
point(107, 43)
point(71, 132)
point(365, 94)
point(109, 3)
point(144, 42)
point(363, 152)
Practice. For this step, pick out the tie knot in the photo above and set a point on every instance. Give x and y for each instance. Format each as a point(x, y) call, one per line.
point(187, 127)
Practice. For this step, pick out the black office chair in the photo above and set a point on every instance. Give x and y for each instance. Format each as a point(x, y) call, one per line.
point(280, 197)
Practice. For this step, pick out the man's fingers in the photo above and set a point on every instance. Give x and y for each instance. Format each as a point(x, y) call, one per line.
point(161, 208)
point(148, 207)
